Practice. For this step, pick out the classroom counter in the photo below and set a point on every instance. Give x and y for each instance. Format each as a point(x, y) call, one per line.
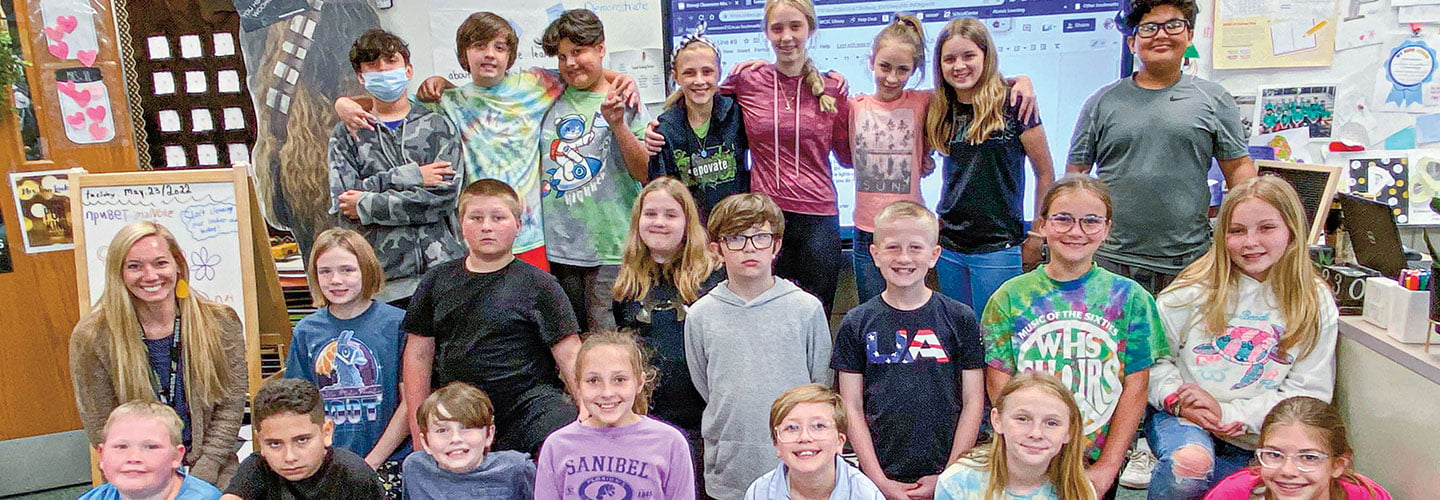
point(1389, 394)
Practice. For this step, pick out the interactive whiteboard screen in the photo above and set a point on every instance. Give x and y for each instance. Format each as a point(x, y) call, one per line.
point(202, 217)
point(1068, 48)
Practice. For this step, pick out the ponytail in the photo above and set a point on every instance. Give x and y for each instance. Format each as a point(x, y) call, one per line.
point(816, 81)
point(904, 29)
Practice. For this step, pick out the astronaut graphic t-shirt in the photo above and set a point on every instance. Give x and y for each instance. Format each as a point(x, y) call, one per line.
point(356, 364)
point(1090, 333)
point(585, 191)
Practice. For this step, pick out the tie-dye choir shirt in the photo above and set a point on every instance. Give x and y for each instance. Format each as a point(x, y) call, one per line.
point(500, 127)
point(1090, 333)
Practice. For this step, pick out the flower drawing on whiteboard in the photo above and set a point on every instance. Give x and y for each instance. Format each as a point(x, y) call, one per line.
point(202, 264)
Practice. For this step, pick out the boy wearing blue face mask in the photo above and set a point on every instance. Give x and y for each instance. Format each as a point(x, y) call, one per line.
point(394, 183)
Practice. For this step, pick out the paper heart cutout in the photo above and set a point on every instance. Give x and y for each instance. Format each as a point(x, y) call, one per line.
point(55, 34)
point(98, 132)
point(67, 23)
point(87, 57)
point(75, 120)
point(96, 113)
point(67, 88)
point(60, 49)
point(81, 97)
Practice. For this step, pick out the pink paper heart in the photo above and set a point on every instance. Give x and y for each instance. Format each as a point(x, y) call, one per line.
point(67, 88)
point(67, 23)
point(75, 120)
point(81, 97)
point(96, 113)
point(98, 132)
point(60, 49)
point(87, 57)
point(55, 34)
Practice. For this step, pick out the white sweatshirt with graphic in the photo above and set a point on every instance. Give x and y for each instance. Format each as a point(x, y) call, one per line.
point(1242, 367)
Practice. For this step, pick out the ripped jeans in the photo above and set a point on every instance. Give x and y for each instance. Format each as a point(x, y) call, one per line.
point(1167, 433)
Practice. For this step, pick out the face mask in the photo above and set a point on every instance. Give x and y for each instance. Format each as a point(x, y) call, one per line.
point(386, 86)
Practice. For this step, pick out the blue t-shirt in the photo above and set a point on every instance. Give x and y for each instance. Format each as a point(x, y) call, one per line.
point(158, 351)
point(356, 364)
point(191, 488)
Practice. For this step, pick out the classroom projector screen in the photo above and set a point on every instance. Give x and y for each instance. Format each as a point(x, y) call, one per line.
point(1067, 48)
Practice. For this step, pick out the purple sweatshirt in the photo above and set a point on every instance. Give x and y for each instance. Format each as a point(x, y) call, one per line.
point(646, 459)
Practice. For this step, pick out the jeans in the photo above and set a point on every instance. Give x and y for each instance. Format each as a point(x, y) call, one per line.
point(810, 255)
point(589, 291)
point(972, 277)
point(1151, 280)
point(1168, 433)
point(868, 281)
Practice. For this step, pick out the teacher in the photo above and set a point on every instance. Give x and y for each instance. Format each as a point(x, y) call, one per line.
point(150, 338)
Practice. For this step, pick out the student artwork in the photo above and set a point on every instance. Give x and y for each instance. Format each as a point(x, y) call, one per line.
point(69, 29)
point(1285, 108)
point(43, 201)
point(1405, 82)
point(1291, 145)
point(84, 105)
point(1382, 176)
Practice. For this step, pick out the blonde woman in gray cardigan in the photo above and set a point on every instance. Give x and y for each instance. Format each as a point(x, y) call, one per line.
point(150, 338)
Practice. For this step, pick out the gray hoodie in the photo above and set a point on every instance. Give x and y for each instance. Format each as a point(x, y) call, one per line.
point(742, 355)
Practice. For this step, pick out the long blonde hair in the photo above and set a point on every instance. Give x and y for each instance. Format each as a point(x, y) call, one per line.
point(1292, 277)
point(646, 376)
point(691, 265)
point(1066, 470)
point(205, 369)
point(812, 75)
point(988, 98)
point(1322, 422)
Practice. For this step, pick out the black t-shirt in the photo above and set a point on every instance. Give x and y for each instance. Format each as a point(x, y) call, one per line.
point(675, 399)
point(492, 330)
point(911, 362)
point(343, 475)
point(981, 202)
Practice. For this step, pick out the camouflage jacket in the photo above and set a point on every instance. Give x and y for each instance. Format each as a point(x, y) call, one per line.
point(412, 227)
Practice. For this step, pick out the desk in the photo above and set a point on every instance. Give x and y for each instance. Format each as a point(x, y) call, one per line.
point(1389, 394)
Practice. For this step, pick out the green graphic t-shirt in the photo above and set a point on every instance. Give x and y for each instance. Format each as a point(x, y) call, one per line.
point(585, 189)
point(1090, 333)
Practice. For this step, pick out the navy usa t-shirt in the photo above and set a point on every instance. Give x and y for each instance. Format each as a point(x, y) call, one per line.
point(911, 362)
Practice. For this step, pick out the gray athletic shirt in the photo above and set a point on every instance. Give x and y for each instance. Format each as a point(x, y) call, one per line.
point(1153, 147)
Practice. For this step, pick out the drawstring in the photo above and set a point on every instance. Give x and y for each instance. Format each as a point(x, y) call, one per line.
point(775, 133)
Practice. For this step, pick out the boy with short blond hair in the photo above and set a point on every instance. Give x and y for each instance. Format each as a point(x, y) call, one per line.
point(910, 363)
point(749, 340)
point(495, 322)
point(294, 457)
point(457, 428)
point(140, 455)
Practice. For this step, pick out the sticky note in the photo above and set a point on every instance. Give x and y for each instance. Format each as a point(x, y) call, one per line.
point(1404, 139)
point(239, 153)
point(1427, 128)
point(234, 119)
point(207, 154)
point(159, 47)
point(201, 120)
point(194, 82)
point(175, 156)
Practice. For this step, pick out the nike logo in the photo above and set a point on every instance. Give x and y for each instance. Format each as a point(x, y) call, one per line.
point(1178, 97)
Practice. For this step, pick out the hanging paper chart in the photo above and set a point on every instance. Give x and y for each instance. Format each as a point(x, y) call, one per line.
point(84, 105)
point(70, 30)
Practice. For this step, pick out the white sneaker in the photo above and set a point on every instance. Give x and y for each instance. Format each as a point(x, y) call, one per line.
point(1137, 471)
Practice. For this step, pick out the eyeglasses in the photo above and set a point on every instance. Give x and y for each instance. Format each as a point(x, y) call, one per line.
point(1172, 27)
point(1305, 461)
point(1089, 224)
point(761, 241)
point(790, 432)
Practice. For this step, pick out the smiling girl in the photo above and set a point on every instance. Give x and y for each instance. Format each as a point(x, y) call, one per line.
point(705, 141)
point(1253, 317)
point(618, 447)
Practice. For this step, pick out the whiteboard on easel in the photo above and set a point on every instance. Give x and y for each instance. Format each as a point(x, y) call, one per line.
point(201, 215)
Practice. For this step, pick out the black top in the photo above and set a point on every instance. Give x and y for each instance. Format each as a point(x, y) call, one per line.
point(159, 352)
point(675, 399)
point(911, 362)
point(980, 205)
point(343, 475)
point(492, 330)
point(713, 167)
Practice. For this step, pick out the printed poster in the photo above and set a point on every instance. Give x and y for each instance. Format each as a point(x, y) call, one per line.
point(1408, 181)
point(1285, 108)
point(1274, 33)
point(43, 201)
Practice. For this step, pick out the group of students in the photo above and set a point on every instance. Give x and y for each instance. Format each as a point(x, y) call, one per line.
point(469, 350)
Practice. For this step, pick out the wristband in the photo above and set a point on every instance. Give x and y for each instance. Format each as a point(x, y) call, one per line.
point(1172, 403)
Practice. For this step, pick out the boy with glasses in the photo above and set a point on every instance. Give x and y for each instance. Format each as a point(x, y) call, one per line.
point(1158, 130)
point(747, 341)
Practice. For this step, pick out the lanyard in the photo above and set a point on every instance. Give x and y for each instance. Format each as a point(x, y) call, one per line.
point(167, 393)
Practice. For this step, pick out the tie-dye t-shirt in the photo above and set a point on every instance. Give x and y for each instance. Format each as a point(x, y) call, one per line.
point(1090, 332)
point(585, 187)
point(967, 480)
point(500, 127)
